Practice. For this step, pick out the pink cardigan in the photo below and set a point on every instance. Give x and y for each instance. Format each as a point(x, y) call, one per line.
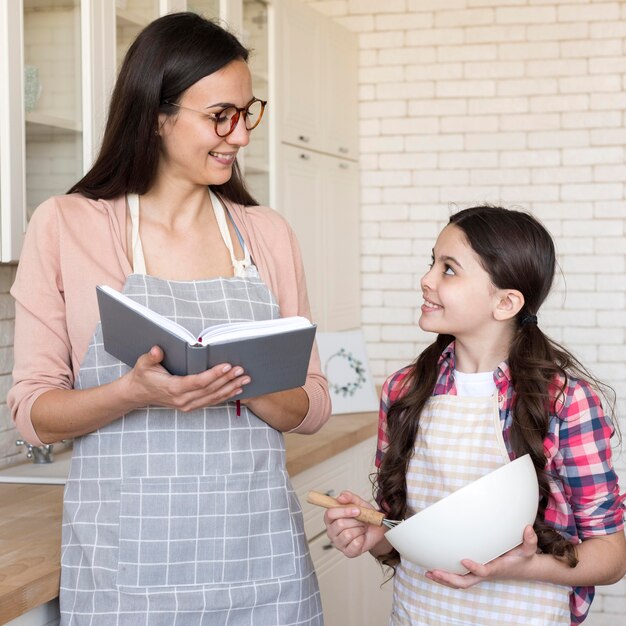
point(72, 245)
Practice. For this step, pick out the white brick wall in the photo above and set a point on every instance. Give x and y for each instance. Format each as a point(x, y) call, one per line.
point(520, 102)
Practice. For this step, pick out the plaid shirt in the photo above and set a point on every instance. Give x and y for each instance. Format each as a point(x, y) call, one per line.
point(585, 499)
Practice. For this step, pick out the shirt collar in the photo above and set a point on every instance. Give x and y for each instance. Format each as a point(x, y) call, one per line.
point(447, 363)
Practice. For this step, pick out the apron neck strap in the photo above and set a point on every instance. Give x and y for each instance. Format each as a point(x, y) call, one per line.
point(139, 262)
point(239, 266)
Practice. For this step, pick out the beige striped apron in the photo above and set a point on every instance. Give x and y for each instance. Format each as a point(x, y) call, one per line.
point(459, 440)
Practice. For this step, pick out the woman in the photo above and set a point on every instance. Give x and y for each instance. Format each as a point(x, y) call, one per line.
point(178, 509)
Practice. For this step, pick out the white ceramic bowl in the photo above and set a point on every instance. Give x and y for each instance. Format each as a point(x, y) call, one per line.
point(479, 521)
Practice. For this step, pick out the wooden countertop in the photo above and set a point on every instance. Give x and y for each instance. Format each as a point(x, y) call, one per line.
point(30, 547)
point(30, 516)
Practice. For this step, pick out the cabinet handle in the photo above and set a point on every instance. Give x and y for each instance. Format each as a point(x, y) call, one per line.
point(344, 166)
point(327, 546)
point(305, 157)
point(343, 150)
point(304, 138)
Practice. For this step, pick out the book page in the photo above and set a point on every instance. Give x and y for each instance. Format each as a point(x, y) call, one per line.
point(157, 318)
point(259, 328)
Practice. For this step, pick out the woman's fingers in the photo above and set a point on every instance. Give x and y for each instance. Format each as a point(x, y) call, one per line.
point(186, 393)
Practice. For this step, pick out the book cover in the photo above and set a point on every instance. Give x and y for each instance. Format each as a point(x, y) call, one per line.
point(275, 361)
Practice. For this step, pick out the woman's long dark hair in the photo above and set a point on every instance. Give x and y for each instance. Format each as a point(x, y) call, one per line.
point(518, 253)
point(168, 56)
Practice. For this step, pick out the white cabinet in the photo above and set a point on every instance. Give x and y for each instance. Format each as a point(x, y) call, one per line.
point(338, 579)
point(350, 588)
point(316, 80)
point(41, 109)
point(255, 160)
point(311, 138)
point(58, 62)
point(298, 59)
point(318, 195)
point(339, 87)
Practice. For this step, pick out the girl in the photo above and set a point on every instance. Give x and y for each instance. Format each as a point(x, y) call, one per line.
point(440, 428)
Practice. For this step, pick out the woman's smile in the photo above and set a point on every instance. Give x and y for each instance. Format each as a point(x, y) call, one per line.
point(225, 158)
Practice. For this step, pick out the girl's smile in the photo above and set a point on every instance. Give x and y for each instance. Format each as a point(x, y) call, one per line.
point(429, 306)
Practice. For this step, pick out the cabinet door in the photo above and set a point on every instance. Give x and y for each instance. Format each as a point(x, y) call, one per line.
point(339, 91)
point(255, 158)
point(342, 285)
point(376, 593)
point(338, 578)
point(318, 194)
point(58, 61)
point(41, 108)
point(317, 76)
point(297, 57)
point(352, 589)
point(12, 191)
point(52, 99)
point(131, 16)
point(300, 201)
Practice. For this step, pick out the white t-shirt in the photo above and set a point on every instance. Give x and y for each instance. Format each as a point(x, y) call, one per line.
point(476, 385)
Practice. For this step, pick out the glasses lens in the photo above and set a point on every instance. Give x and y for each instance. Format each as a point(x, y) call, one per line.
point(226, 121)
point(254, 113)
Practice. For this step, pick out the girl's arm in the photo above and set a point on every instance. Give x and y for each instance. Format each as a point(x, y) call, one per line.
point(601, 561)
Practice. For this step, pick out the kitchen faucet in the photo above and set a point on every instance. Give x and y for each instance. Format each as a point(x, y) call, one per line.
point(39, 454)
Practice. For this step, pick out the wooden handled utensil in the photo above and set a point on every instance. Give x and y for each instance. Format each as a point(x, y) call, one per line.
point(369, 516)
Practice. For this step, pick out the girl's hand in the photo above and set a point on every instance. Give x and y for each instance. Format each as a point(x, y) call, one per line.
point(150, 383)
point(347, 534)
point(512, 564)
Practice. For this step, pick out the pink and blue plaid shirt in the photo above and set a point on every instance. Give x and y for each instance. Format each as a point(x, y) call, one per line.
point(585, 499)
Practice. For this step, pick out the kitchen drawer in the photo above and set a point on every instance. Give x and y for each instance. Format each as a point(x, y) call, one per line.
point(348, 470)
point(330, 477)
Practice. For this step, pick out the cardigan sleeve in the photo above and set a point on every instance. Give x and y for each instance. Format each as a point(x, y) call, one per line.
point(42, 350)
point(71, 245)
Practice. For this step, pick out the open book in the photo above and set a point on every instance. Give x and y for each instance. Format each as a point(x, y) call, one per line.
point(274, 353)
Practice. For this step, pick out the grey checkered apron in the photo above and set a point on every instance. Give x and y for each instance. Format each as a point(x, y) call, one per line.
point(184, 518)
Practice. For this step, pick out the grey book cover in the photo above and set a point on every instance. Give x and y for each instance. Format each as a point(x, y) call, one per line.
point(274, 362)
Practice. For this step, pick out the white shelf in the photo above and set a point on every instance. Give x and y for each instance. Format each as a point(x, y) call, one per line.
point(132, 18)
point(53, 121)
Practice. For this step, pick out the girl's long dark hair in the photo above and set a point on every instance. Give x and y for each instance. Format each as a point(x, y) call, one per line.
point(518, 253)
point(168, 56)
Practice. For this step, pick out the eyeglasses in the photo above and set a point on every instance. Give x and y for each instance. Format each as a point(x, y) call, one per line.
point(226, 120)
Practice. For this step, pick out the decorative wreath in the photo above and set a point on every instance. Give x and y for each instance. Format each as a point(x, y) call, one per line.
point(356, 365)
